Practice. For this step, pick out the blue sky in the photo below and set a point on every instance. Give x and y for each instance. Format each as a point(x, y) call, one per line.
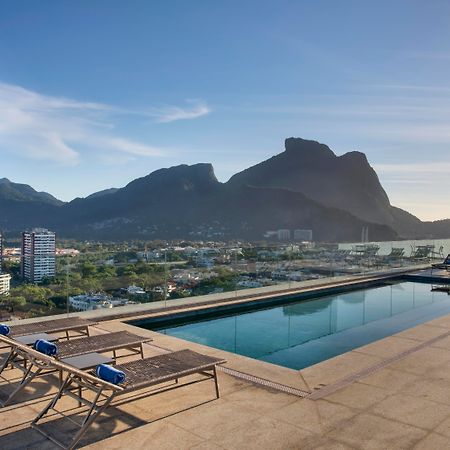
point(96, 93)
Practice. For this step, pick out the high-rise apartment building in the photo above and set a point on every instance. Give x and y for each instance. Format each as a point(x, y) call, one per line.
point(38, 259)
point(1, 252)
point(284, 235)
point(303, 235)
point(5, 279)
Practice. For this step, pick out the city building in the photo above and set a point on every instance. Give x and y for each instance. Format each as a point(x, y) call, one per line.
point(1, 252)
point(5, 279)
point(88, 302)
point(38, 258)
point(284, 235)
point(135, 290)
point(303, 235)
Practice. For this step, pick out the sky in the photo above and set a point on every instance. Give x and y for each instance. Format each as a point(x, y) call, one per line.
point(96, 93)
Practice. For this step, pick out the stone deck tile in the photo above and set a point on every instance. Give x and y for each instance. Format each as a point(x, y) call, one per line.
point(433, 441)
point(214, 419)
point(26, 439)
point(261, 400)
point(370, 432)
point(264, 433)
point(434, 389)
point(423, 361)
point(387, 347)
point(443, 322)
point(390, 380)
point(315, 416)
point(324, 443)
point(442, 343)
point(422, 332)
point(161, 435)
point(413, 410)
point(334, 369)
point(443, 428)
point(358, 395)
point(206, 445)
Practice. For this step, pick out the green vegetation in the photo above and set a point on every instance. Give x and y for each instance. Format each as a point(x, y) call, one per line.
point(95, 269)
point(224, 282)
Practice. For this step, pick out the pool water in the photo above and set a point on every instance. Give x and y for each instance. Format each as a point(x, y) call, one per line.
point(298, 334)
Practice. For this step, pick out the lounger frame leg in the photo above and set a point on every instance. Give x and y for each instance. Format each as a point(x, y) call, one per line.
point(12, 355)
point(216, 382)
point(52, 402)
point(91, 418)
point(91, 415)
point(27, 378)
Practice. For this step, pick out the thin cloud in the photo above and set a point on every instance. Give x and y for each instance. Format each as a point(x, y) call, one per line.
point(43, 127)
point(431, 168)
point(131, 147)
point(413, 87)
point(173, 113)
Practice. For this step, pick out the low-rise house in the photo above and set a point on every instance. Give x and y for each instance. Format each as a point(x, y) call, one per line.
point(88, 302)
point(249, 284)
point(67, 252)
point(135, 290)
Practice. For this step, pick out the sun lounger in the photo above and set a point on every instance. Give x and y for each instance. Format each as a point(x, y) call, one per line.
point(422, 251)
point(443, 265)
point(141, 374)
point(65, 325)
point(103, 343)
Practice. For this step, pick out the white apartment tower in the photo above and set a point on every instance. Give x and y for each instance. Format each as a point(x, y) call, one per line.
point(1, 252)
point(38, 255)
point(5, 278)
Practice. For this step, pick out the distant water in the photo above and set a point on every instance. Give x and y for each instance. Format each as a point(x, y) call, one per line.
point(386, 246)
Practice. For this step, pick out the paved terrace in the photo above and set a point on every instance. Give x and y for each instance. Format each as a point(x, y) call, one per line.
point(393, 393)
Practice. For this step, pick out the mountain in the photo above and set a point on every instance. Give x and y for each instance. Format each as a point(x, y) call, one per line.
point(346, 182)
point(103, 192)
point(189, 201)
point(22, 207)
point(24, 193)
point(305, 187)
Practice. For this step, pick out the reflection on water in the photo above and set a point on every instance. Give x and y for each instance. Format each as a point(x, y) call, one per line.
point(299, 334)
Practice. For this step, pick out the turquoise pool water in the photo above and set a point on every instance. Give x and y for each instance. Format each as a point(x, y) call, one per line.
point(298, 334)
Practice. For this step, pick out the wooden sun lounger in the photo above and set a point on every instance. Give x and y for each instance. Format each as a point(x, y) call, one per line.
point(141, 374)
point(66, 324)
point(443, 265)
point(69, 350)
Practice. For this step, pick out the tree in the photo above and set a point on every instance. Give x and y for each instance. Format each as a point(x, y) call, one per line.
point(88, 270)
point(126, 271)
point(107, 271)
point(17, 302)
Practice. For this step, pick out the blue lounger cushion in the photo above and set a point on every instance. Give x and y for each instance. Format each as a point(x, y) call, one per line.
point(4, 329)
point(45, 347)
point(110, 374)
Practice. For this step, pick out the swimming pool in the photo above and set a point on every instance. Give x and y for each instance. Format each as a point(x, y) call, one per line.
point(299, 333)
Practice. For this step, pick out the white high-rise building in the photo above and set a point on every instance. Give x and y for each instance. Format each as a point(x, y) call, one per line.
point(1, 252)
point(284, 235)
point(38, 255)
point(5, 280)
point(303, 235)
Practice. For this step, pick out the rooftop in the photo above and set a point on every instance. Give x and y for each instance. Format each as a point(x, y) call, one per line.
point(393, 393)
